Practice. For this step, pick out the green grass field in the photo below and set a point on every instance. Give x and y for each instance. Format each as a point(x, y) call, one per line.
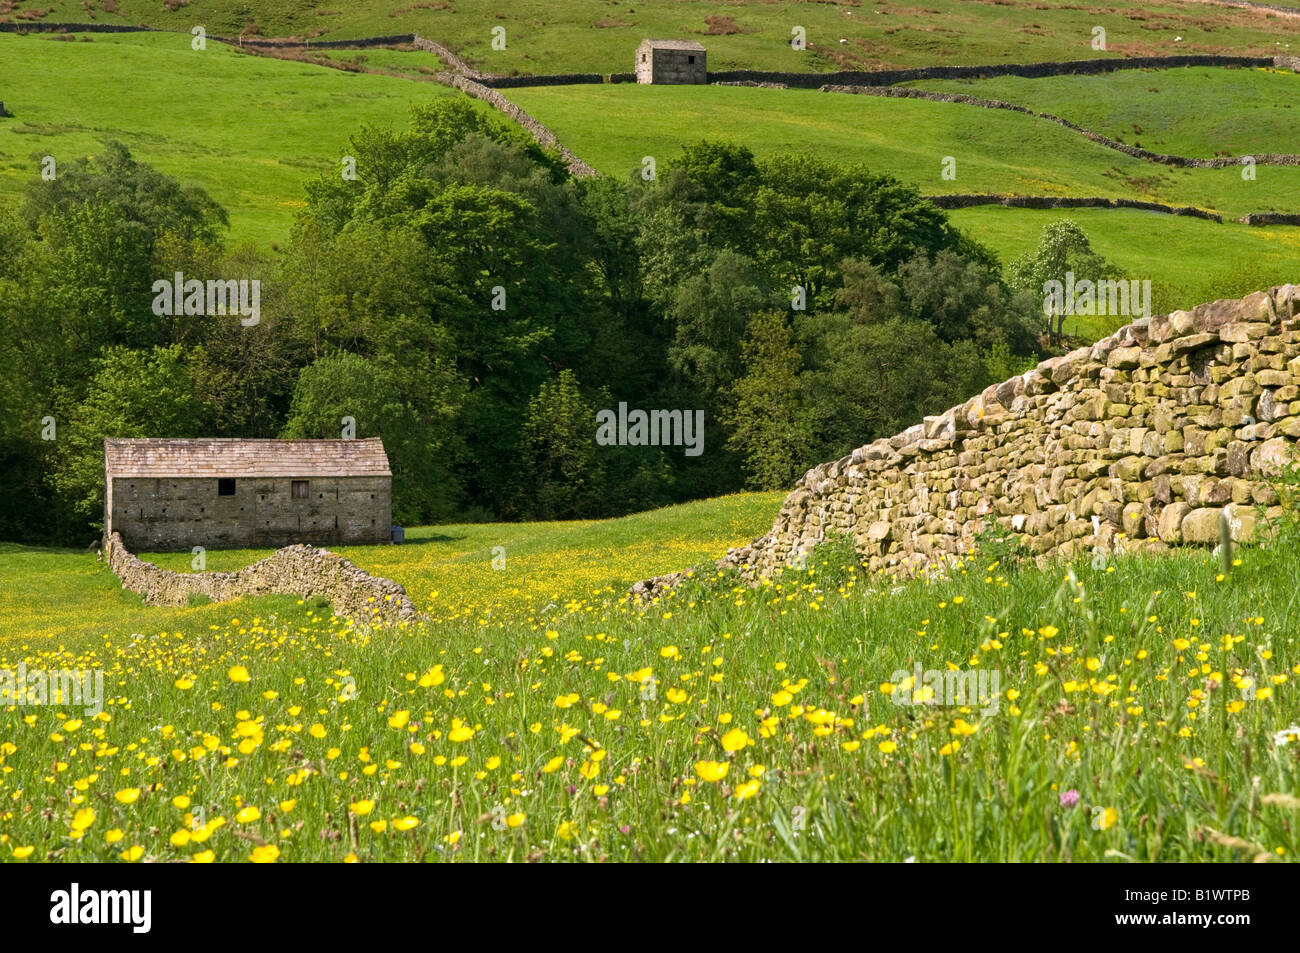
point(1142, 711)
point(447, 570)
point(251, 130)
point(995, 151)
point(1186, 112)
point(543, 36)
point(1189, 261)
point(614, 127)
point(414, 64)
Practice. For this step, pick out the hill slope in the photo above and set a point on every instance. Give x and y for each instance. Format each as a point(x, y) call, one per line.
point(543, 36)
point(251, 130)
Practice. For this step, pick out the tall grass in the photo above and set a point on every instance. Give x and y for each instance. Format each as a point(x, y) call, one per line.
point(1145, 711)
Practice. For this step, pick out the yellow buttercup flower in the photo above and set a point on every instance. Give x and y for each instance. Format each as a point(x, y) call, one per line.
point(747, 790)
point(711, 770)
point(734, 740)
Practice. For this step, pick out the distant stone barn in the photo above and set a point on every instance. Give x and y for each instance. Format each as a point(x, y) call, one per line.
point(169, 495)
point(671, 62)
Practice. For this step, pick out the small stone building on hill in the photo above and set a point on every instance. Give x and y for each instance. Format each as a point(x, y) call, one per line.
point(678, 62)
point(174, 494)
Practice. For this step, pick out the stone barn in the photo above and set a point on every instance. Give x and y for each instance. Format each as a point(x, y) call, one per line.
point(170, 495)
point(677, 62)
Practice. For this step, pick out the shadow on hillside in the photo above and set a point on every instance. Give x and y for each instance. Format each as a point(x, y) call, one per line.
point(422, 540)
point(7, 548)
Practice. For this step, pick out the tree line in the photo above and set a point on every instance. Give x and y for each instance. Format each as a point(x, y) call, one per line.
point(467, 300)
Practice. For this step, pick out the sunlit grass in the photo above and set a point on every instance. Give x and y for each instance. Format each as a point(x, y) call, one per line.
point(1144, 710)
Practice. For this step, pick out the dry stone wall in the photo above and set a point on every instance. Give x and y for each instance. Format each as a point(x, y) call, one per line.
point(540, 133)
point(1143, 440)
point(967, 200)
point(888, 77)
point(1137, 152)
point(300, 570)
point(1270, 218)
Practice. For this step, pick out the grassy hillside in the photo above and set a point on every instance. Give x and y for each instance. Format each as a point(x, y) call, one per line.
point(613, 127)
point(543, 36)
point(251, 130)
point(1189, 261)
point(258, 173)
point(1142, 710)
point(1186, 112)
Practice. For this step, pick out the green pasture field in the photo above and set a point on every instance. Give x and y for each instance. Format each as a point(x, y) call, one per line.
point(614, 126)
point(249, 129)
point(546, 36)
point(1196, 112)
point(1188, 261)
point(446, 570)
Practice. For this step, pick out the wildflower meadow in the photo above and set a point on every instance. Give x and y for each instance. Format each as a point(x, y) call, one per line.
point(1146, 711)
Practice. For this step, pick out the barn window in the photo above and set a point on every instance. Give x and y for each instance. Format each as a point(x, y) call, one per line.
point(642, 57)
point(690, 59)
point(226, 486)
point(299, 489)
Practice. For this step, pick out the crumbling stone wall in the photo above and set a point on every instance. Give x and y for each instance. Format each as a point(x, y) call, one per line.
point(299, 570)
point(1142, 440)
point(1270, 218)
point(540, 133)
point(448, 57)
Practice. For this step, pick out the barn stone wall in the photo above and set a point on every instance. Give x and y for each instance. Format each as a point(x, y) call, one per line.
point(667, 66)
point(172, 514)
point(1143, 440)
point(295, 570)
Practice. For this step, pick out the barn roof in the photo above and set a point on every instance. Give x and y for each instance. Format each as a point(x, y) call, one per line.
point(237, 457)
point(674, 45)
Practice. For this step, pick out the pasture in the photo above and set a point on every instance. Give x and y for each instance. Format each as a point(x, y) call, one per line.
point(600, 36)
